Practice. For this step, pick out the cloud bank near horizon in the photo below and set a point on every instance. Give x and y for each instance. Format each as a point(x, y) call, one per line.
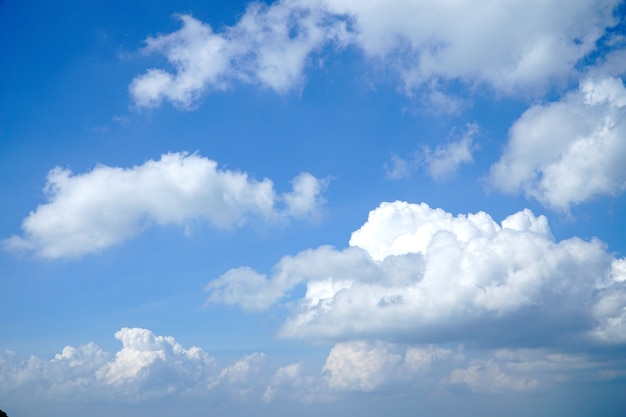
point(149, 367)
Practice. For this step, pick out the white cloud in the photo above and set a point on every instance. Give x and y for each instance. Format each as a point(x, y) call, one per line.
point(488, 377)
point(241, 379)
point(356, 366)
point(439, 163)
point(385, 367)
point(446, 159)
point(90, 212)
point(270, 45)
point(368, 366)
point(416, 273)
point(68, 373)
point(293, 384)
point(399, 168)
point(570, 151)
point(156, 361)
point(306, 198)
point(147, 367)
point(287, 376)
point(425, 42)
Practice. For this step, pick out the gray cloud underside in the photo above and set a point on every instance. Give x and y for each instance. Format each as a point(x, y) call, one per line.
point(413, 273)
point(149, 367)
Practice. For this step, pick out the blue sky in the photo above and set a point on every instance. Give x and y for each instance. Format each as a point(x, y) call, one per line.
point(313, 207)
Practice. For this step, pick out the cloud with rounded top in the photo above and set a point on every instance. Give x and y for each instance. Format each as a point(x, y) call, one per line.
point(90, 212)
point(414, 273)
point(570, 151)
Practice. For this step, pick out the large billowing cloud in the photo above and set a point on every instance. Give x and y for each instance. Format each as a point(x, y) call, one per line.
point(90, 212)
point(569, 151)
point(414, 273)
point(427, 43)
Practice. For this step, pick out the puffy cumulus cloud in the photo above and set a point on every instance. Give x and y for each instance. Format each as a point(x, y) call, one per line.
point(417, 273)
point(385, 367)
point(570, 151)
point(148, 366)
point(356, 366)
point(270, 45)
point(426, 42)
point(368, 366)
point(364, 366)
point(155, 365)
point(306, 198)
point(69, 372)
point(90, 212)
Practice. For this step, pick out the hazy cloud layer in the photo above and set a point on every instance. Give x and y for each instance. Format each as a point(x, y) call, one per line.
point(569, 151)
point(421, 274)
point(149, 367)
point(424, 42)
point(90, 212)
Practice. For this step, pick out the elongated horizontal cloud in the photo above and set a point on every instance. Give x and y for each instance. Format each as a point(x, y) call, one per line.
point(149, 367)
point(416, 273)
point(570, 151)
point(367, 366)
point(426, 40)
point(422, 41)
point(89, 212)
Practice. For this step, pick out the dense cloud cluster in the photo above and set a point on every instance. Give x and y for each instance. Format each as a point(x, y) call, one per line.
point(416, 273)
point(92, 211)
